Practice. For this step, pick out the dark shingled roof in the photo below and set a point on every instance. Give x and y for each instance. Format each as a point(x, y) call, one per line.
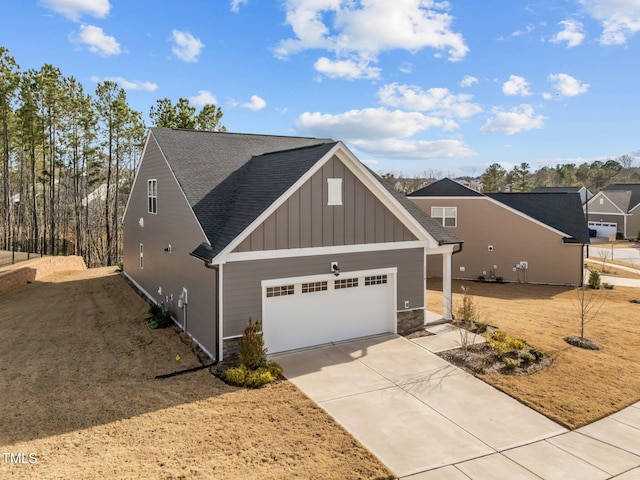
point(230, 179)
point(634, 188)
point(585, 194)
point(562, 211)
point(445, 188)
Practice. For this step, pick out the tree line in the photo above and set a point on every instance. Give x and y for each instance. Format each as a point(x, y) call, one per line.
point(521, 178)
point(69, 158)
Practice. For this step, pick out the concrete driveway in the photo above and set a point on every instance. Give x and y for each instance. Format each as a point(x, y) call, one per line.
point(413, 410)
point(428, 420)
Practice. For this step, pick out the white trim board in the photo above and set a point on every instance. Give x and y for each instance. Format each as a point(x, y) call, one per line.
point(274, 282)
point(317, 251)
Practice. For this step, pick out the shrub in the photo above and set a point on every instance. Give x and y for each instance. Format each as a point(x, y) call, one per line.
point(538, 354)
point(467, 311)
point(251, 351)
point(481, 278)
point(254, 370)
point(607, 286)
point(594, 277)
point(499, 279)
point(499, 336)
point(516, 343)
point(159, 316)
point(510, 363)
point(527, 357)
point(481, 327)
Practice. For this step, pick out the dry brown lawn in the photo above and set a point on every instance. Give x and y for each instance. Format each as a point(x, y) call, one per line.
point(580, 386)
point(77, 368)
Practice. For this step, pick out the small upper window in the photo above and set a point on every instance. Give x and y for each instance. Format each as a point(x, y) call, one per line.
point(445, 216)
point(335, 191)
point(602, 201)
point(152, 196)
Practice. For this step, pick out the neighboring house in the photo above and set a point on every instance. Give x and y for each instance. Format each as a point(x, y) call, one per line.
point(518, 237)
point(585, 194)
point(614, 211)
point(295, 233)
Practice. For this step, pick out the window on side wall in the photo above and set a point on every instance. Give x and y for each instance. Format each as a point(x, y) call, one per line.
point(152, 196)
point(445, 216)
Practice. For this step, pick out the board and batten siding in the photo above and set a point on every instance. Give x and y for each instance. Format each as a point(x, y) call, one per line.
point(306, 220)
point(175, 225)
point(242, 290)
point(482, 222)
point(606, 207)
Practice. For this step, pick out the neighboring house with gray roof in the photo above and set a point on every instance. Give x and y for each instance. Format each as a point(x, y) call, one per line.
point(293, 232)
point(517, 237)
point(614, 211)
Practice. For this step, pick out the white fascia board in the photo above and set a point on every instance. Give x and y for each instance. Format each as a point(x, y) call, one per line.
point(135, 177)
point(631, 210)
point(447, 197)
point(440, 250)
point(606, 213)
point(274, 282)
point(352, 163)
point(333, 250)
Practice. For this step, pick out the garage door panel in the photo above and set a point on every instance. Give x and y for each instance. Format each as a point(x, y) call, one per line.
point(307, 318)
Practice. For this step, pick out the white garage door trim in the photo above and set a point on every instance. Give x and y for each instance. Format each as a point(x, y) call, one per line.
point(604, 229)
point(322, 314)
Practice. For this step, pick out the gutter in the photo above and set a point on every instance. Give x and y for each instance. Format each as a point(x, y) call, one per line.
point(217, 307)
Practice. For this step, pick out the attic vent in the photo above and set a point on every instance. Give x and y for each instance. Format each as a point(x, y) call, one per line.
point(334, 191)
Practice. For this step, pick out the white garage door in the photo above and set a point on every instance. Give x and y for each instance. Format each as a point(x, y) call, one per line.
point(305, 311)
point(604, 229)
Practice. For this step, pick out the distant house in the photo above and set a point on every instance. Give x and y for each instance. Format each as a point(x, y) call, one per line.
point(293, 232)
point(585, 194)
point(614, 211)
point(516, 237)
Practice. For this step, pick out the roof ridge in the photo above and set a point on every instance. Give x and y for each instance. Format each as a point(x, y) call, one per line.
point(293, 149)
point(239, 133)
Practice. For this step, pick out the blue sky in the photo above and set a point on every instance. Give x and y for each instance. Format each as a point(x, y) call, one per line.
point(411, 86)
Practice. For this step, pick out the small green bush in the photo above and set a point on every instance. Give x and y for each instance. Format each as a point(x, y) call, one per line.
point(510, 363)
point(538, 354)
point(236, 376)
point(481, 278)
point(527, 357)
point(251, 351)
point(499, 336)
point(607, 286)
point(516, 343)
point(594, 277)
point(241, 376)
point(258, 378)
point(499, 280)
point(480, 327)
point(159, 316)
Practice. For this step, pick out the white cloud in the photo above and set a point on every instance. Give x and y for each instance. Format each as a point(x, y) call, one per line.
point(358, 31)
point(204, 97)
point(439, 101)
point(97, 41)
point(74, 9)
point(346, 69)
point(406, 67)
point(566, 85)
point(468, 80)
point(255, 104)
point(527, 30)
point(186, 47)
point(415, 149)
point(369, 123)
point(130, 84)
point(620, 19)
point(516, 120)
point(235, 5)
point(572, 33)
point(516, 86)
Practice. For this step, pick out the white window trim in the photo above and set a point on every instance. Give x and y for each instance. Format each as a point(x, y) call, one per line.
point(150, 196)
point(334, 191)
point(443, 217)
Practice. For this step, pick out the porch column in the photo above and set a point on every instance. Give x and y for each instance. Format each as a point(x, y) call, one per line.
point(446, 286)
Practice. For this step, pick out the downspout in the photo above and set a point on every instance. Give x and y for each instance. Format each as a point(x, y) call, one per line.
point(217, 307)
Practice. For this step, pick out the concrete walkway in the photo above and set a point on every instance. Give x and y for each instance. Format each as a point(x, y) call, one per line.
point(427, 419)
point(612, 279)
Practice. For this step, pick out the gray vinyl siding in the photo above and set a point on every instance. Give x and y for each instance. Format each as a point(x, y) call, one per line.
point(633, 224)
point(305, 220)
point(514, 238)
point(606, 207)
point(174, 225)
point(242, 290)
